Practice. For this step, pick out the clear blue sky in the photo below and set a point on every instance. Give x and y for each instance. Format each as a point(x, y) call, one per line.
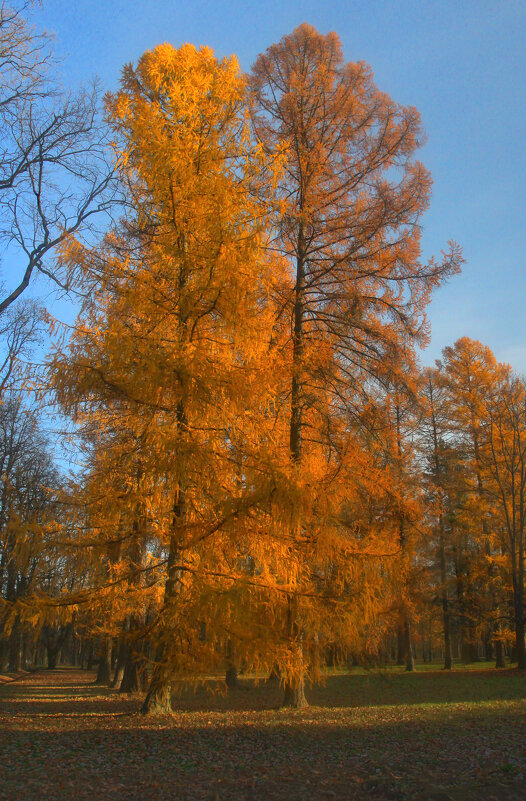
point(462, 63)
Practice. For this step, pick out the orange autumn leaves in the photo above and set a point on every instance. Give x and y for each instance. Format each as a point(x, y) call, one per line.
point(263, 284)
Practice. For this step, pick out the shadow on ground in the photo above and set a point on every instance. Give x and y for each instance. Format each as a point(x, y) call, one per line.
point(65, 738)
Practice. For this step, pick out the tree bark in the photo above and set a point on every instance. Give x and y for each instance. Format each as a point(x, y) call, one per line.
point(294, 687)
point(15, 645)
point(130, 679)
point(499, 654)
point(104, 669)
point(231, 679)
point(121, 663)
point(158, 699)
point(294, 694)
point(409, 658)
point(52, 656)
point(446, 618)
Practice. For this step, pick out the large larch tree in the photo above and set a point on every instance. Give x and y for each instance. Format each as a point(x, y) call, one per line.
point(352, 197)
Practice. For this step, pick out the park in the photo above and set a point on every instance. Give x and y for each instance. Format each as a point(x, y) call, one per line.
point(262, 480)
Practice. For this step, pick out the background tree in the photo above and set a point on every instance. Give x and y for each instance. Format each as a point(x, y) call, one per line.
point(28, 494)
point(506, 422)
point(55, 176)
point(468, 374)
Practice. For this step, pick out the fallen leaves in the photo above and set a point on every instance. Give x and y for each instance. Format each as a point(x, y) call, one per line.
point(367, 737)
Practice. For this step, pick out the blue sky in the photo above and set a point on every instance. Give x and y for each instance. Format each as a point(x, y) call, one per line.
point(462, 63)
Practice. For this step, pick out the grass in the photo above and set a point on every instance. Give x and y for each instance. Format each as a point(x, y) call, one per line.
point(373, 735)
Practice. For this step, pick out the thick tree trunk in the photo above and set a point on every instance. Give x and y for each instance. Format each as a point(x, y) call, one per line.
point(448, 653)
point(82, 657)
point(3, 653)
point(158, 698)
point(104, 669)
point(488, 646)
point(499, 654)
point(466, 649)
point(130, 679)
point(294, 694)
point(518, 602)
point(294, 688)
point(120, 665)
point(15, 645)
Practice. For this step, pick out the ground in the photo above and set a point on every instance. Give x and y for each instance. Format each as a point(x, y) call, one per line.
point(372, 736)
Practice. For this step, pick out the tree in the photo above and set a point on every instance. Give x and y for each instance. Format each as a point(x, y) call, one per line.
point(439, 474)
point(28, 488)
point(506, 421)
point(55, 176)
point(468, 375)
point(171, 355)
point(179, 371)
point(352, 198)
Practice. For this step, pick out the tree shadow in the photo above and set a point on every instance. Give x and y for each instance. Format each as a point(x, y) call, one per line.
point(377, 688)
point(302, 756)
point(52, 692)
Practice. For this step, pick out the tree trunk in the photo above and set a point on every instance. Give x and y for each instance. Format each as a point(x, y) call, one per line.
point(130, 679)
point(104, 669)
point(52, 656)
point(3, 653)
point(231, 679)
point(446, 618)
point(15, 644)
point(448, 655)
point(518, 603)
point(294, 694)
point(90, 660)
point(231, 668)
point(121, 663)
point(409, 658)
point(499, 654)
point(158, 699)
point(400, 645)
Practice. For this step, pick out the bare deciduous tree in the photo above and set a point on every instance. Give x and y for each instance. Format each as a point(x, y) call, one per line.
point(55, 174)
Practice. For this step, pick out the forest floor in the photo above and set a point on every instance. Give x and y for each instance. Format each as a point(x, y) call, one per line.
point(377, 736)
